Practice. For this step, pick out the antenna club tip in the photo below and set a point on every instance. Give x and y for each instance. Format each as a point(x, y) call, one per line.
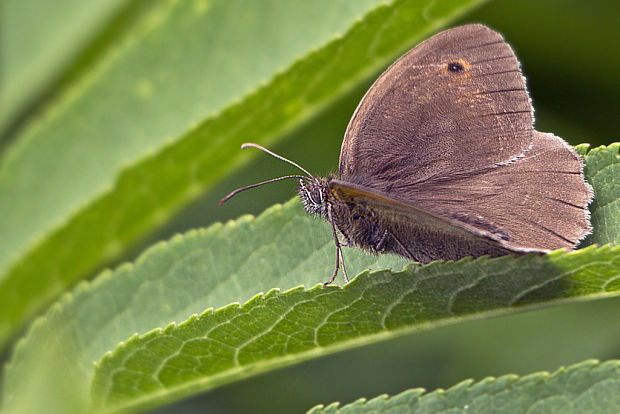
point(247, 145)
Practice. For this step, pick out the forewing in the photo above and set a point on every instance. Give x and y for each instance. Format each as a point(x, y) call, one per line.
point(538, 201)
point(454, 104)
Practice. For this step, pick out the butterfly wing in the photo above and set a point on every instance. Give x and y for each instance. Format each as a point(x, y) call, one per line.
point(539, 200)
point(409, 231)
point(460, 144)
point(456, 103)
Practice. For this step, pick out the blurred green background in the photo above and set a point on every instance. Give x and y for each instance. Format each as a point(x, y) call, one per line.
point(570, 56)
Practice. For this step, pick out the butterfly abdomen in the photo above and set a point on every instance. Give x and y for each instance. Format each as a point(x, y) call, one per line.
point(360, 227)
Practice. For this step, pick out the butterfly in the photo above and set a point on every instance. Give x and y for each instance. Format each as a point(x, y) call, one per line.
point(441, 161)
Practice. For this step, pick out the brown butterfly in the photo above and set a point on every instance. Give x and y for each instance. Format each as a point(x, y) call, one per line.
point(441, 161)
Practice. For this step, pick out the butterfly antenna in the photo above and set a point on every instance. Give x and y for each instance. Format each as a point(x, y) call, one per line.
point(247, 187)
point(251, 144)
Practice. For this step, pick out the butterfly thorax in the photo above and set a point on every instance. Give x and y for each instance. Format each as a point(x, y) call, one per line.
point(354, 222)
point(313, 194)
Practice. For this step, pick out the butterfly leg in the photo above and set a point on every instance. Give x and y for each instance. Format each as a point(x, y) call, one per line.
point(339, 258)
point(406, 251)
point(381, 245)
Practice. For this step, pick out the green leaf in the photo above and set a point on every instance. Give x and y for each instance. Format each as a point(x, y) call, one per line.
point(201, 269)
point(283, 247)
point(587, 387)
point(160, 120)
point(603, 170)
point(277, 329)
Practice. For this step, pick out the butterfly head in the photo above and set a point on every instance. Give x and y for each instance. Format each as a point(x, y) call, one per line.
point(313, 194)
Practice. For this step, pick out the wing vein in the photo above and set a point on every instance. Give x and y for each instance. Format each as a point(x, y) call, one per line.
point(565, 202)
point(525, 111)
point(547, 229)
point(497, 73)
point(484, 44)
point(492, 59)
point(500, 91)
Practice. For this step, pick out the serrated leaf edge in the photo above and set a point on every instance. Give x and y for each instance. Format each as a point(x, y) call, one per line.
point(511, 379)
